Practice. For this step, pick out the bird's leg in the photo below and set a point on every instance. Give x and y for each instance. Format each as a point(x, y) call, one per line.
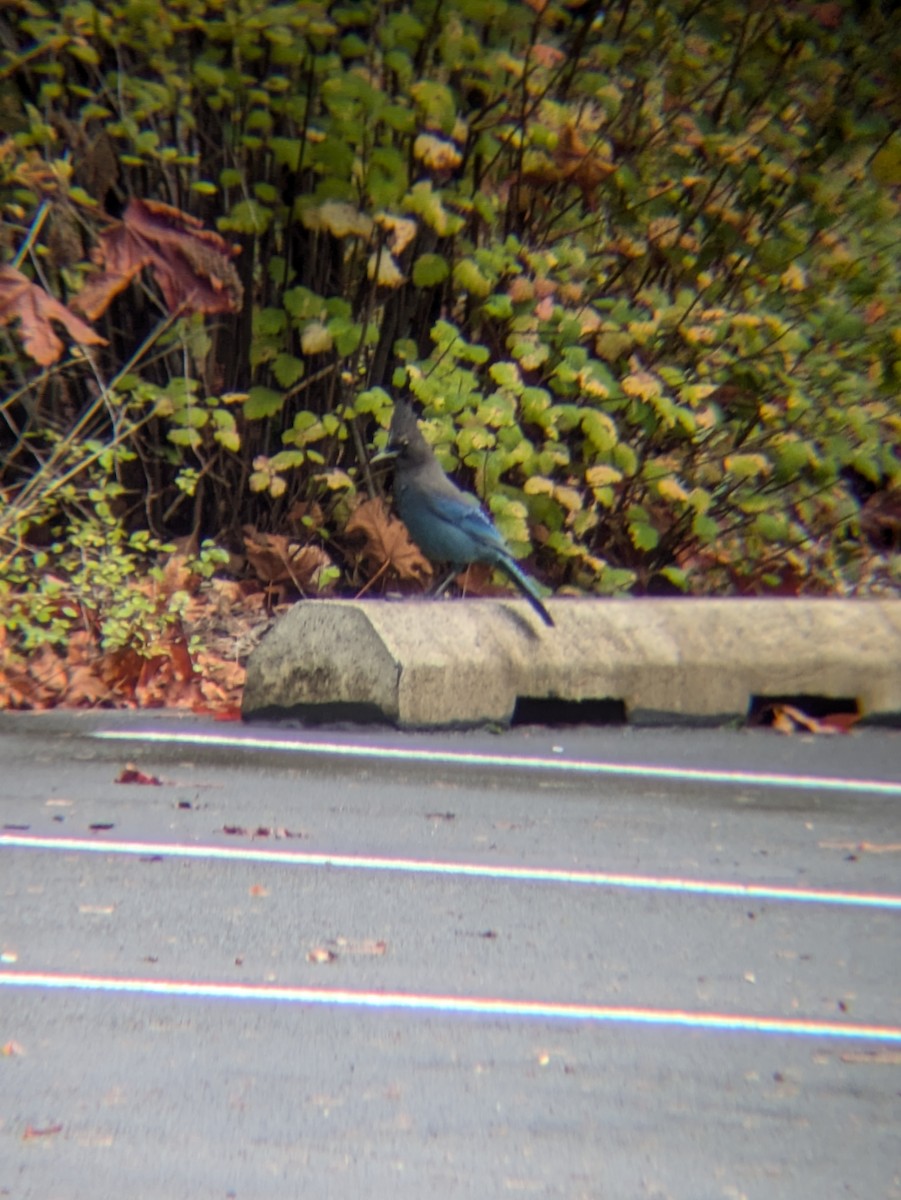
point(445, 583)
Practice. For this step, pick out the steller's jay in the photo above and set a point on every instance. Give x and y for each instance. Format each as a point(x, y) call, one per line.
point(447, 524)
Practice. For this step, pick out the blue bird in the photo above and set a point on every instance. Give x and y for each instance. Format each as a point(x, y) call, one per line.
point(447, 524)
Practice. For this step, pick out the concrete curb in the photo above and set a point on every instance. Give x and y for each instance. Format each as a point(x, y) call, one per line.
point(425, 664)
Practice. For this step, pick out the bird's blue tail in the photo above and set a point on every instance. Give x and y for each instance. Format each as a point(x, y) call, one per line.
point(526, 585)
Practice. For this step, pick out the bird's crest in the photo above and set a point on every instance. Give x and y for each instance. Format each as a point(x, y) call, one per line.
point(404, 426)
point(405, 440)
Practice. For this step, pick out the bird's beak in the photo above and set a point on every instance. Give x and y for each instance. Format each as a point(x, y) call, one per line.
point(389, 454)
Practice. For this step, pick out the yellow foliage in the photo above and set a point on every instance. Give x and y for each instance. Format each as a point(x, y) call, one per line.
point(602, 474)
point(671, 489)
point(569, 497)
point(642, 384)
point(401, 231)
point(315, 339)
point(338, 218)
point(384, 270)
point(537, 485)
point(436, 153)
point(794, 278)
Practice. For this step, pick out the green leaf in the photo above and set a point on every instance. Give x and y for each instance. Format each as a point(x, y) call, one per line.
point(426, 203)
point(286, 151)
point(303, 304)
point(499, 306)
point(247, 216)
point(286, 459)
point(705, 528)
point(772, 526)
point(287, 369)
point(436, 102)
point(346, 334)
point(269, 322)
point(185, 436)
point(676, 576)
point(262, 402)
point(506, 375)
point(625, 458)
point(643, 535)
point(387, 180)
point(747, 466)
point(600, 430)
point(429, 270)
point(375, 401)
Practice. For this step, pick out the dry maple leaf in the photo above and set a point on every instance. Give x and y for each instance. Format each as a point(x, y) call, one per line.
point(279, 559)
point(387, 542)
point(35, 310)
point(192, 265)
point(85, 688)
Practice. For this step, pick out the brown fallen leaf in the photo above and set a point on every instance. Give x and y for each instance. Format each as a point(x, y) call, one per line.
point(387, 544)
point(11, 1050)
point(321, 954)
point(786, 718)
point(31, 1132)
point(131, 774)
point(276, 558)
point(257, 889)
point(232, 713)
point(86, 689)
point(227, 617)
point(192, 265)
point(840, 722)
point(35, 309)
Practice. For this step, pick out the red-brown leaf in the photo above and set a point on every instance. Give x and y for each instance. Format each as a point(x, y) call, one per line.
point(387, 541)
point(279, 559)
point(191, 265)
point(35, 309)
point(131, 774)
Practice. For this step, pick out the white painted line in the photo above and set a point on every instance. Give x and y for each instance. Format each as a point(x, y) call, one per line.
point(412, 754)
point(415, 866)
point(455, 1005)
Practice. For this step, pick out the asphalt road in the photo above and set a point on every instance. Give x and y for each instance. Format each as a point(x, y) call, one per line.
point(582, 964)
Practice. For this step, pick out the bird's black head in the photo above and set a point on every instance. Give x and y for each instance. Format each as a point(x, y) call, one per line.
point(406, 445)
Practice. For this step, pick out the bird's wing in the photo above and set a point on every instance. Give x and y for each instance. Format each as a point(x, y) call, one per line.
point(465, 513)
